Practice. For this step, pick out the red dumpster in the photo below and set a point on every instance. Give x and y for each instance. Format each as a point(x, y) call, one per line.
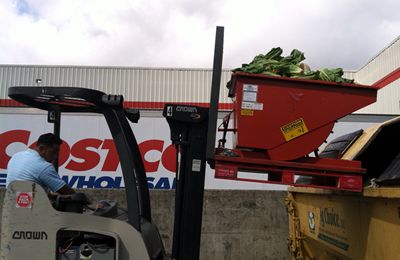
point(289, 118)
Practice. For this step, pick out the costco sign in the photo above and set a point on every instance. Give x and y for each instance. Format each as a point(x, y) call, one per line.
point(88, 157)
point(85, 155)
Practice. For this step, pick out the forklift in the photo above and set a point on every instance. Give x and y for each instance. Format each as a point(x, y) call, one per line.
point(33, 227)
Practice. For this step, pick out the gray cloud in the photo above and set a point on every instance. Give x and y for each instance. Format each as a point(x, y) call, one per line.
point(337, 35)
point(180, 33)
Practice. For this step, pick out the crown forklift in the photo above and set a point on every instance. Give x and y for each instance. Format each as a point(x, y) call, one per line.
point(33, 227)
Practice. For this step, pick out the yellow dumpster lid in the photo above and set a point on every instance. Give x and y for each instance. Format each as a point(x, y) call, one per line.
point(368, 136)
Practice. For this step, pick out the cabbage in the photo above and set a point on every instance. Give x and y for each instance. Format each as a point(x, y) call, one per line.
point(274, 64)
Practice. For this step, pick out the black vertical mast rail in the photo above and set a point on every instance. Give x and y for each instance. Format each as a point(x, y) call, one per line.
point(54, 116)
point(215, 87)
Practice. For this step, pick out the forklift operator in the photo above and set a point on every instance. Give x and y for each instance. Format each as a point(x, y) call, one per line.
point(36, 165)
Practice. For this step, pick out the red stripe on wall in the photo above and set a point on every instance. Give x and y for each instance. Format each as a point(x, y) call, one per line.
point(10, 103)
point(160, 105)
point(389, 78)
point(133, 104)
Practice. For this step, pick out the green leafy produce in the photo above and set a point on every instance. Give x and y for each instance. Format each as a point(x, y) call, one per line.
point(334, 75)
point(274, 64)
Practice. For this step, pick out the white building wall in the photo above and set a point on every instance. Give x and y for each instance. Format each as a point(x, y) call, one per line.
point(136, 84)
point(378, 67)
point(382, 64)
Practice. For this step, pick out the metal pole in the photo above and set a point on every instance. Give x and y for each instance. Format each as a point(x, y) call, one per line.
point(54, 116)
point(215, 86)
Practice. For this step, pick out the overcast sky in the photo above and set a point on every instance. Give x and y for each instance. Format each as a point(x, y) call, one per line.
point(181, 33)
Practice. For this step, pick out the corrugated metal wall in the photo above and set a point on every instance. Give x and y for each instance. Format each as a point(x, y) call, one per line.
point(136, 84)
point(349, 74)
point(382, 64)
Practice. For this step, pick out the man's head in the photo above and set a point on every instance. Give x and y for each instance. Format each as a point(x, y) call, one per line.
point(47, 146)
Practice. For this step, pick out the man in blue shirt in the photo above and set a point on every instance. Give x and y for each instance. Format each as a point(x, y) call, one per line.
point(36, 165)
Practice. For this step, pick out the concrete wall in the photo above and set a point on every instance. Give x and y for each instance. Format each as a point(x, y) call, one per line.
point(236, 224)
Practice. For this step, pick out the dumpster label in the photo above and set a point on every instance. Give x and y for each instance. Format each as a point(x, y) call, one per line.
point(250, 93)
point(249, 96)
point(294, 129)
point(332, 229)
point(249, 87)
point(252, 105)
point(246, 112)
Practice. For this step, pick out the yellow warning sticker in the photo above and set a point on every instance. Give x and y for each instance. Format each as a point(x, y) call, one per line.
point(246, 112)
point(294, 129)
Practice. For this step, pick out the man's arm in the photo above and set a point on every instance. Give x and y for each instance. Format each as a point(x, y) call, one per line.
point(50, 178)
point(65, 190)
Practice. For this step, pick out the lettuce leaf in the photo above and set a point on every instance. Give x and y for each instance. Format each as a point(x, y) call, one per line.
point(274, 64)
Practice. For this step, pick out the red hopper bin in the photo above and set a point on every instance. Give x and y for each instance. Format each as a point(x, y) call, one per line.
point(289, 118)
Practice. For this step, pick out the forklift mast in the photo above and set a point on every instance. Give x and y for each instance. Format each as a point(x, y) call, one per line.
point(193, 132)
point(188, 126)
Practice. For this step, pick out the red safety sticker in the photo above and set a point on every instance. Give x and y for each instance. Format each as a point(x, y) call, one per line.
point(226, 171)
point(24, 200)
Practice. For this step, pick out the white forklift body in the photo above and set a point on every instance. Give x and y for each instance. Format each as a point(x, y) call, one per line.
point(31, 227)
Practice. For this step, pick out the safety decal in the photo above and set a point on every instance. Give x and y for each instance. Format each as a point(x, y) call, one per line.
point(249, 96)
point(246, 112)
point(252, 105)
point(23, 200)
point(249, 100)
point(294, 129)
point(250, 92)
point(196, 165)
point(250, 87)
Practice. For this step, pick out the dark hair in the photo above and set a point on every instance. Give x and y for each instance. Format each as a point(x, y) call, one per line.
point(48, 139)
